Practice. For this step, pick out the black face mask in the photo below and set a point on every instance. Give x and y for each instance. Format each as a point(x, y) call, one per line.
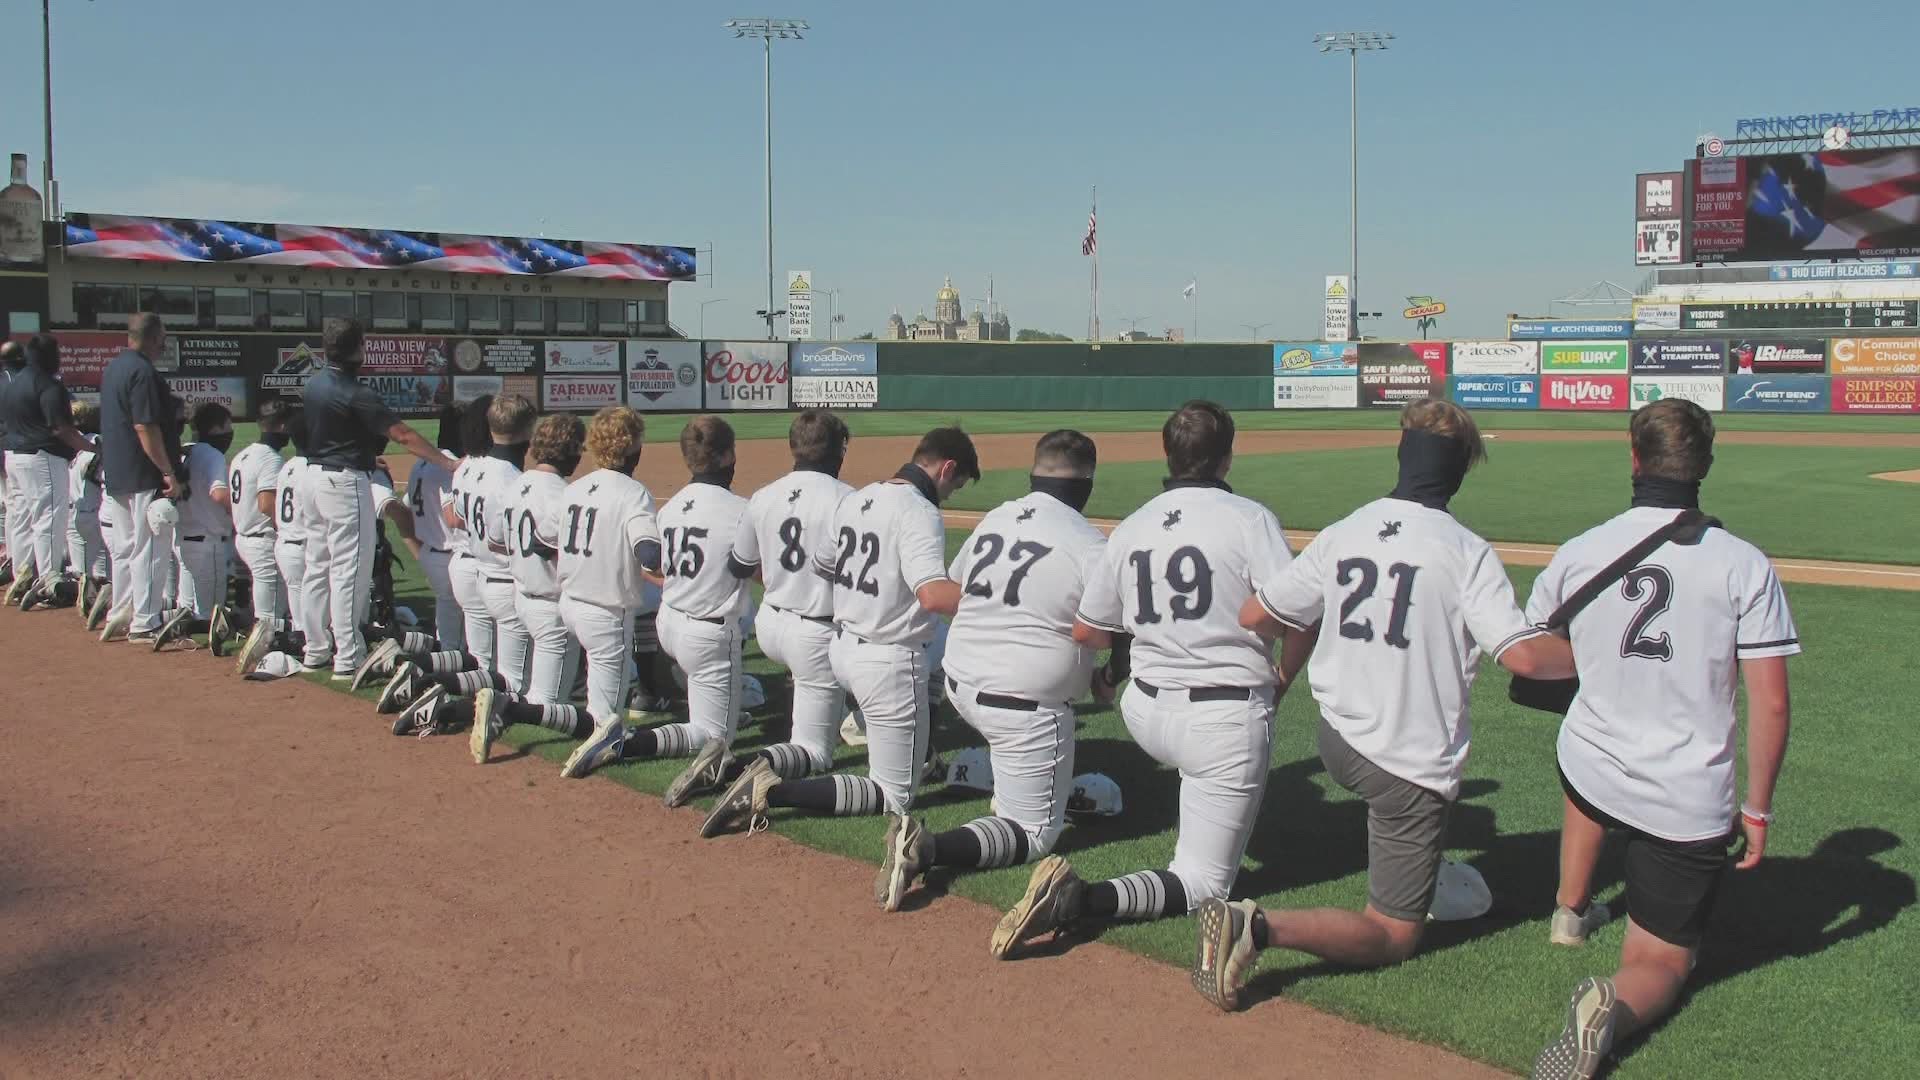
point(1668, 494)
point(1072, 490)
point(276, 439)
point(718, 477)
point(1432, 468)
point(219, 442)
point(565, 466)
point(917, 476)
point(516, 453)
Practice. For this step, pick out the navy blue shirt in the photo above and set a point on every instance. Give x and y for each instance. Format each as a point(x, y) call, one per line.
point(347, 423)
point(32, 404)
point(132, 392)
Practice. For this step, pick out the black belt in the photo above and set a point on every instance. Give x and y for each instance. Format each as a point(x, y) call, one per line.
point(499, 581)
point(999, 701)
point(258, 535)
point(294, 543)
point(841, 629)
point(1204, 693)
point(344, 468)
point(440, 551)
point(193, 539)
point(704, 619)
point(464, 555)
point(824, 620)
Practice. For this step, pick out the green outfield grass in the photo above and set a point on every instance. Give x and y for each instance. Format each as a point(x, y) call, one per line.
point(1792, 501)
point(1808, 967)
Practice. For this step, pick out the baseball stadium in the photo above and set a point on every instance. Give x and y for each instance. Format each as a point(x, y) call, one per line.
point(228, 850)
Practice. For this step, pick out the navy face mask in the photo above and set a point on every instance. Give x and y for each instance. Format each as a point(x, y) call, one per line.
point(276, 439)
point(220, 442)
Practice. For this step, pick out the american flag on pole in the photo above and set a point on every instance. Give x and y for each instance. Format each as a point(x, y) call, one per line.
point(1091, 244)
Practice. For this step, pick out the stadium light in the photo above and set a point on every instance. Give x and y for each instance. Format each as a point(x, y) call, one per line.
point(703, 314)
point(767, 31)
point(1353, 43)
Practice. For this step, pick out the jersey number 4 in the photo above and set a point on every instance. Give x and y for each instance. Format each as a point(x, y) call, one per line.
point(1022, 556)
point(1364, 576)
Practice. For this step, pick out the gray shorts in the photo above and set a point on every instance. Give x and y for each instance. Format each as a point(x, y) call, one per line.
point(1406, 829)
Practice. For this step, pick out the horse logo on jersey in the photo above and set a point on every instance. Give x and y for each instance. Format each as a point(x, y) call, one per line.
point(1173, 518)
point(793, 496)
point(593, 487)
point(686, 507)
point(1025, 514)
point(1391, 530)
point(866, 506)
point(526, 489)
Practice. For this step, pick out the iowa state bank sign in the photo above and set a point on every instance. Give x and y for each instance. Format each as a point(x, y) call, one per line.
point(747, 375)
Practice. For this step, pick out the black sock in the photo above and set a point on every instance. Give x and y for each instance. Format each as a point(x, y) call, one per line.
point(565, 719)
point(647, 675)
point(453, 713)
point(986, 843)
point(1582, 909)
point(1147, 894)
point(1259, 929)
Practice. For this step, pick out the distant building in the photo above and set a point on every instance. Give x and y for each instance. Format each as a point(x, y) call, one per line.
point(947, 323)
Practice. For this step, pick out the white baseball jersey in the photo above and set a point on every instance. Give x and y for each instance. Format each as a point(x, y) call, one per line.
point(783, 520)
point(534, 510)
point(255, 469)
point(1408, 600)
point(885, 541)
point(206, 474)
point(698, 527)
point(605, 517)
point(493, 484)
point(429, 488)
point(288, 494)
point(1175, 575)
point(1021, 575)
point(1650, 737)
point(84, 492)
point(460, 493)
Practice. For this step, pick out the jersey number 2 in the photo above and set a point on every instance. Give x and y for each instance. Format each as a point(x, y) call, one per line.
point(869, 544)
point(1023, 555)
point(1656, 586)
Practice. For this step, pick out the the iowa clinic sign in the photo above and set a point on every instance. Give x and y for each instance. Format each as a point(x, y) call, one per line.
point(747, 375)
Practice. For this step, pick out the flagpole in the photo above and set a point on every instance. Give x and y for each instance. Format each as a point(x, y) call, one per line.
point(1096, 267)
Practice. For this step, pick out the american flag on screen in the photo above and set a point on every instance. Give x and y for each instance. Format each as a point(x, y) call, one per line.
point(1837, 201)
point(1091, 244)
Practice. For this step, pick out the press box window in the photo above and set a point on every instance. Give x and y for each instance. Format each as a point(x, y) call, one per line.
point(173, 303)
point(483, 313)
point(336, 305)
point(436, 311)
point(390, 310)
point(232, 307)
point(287, 308)
point(570, 314)
point(104, 305)
point(529, 313)
point(612, 316)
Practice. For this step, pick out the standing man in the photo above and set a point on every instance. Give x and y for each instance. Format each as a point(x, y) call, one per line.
point(140, 446)
point(1416, 600)
point(253, 481)
point(348, 424)
point(1175, 575)
point(795, 623)
point(1647, 748)
point(1013, 669)
point(40, 442)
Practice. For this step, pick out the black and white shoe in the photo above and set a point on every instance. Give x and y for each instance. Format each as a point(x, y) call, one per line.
point(220, 630)
point(173, 628)
point(378, 662)
point(417, 718)
point(400, 689)
point(259, 642)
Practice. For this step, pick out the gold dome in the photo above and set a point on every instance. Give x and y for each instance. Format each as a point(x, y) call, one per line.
point(948, 292)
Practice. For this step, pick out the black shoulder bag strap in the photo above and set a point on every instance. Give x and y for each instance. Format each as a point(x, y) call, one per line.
point(1556, 695)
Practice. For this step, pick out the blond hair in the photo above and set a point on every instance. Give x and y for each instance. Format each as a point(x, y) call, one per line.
point(614, 438)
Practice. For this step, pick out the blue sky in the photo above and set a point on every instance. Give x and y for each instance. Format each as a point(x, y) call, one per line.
point(914, 141)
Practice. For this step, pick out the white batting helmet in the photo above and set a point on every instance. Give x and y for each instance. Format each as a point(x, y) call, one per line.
point(1094, 793)
point(752, 694)
point(971, 768)
point(1461, 893)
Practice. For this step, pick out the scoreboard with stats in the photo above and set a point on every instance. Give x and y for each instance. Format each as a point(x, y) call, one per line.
point(1804, 315)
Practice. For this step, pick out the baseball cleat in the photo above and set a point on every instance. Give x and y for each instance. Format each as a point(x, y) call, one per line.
point(38, 591)
point(744, 804)
point(400, 689)
point(902, 863)
point(83, 601)
point(220, 630)
point(101, 606)
point(22, 585)
point(1583, 1044)
point(1570, 929)
point(259, 642)
point(118, 625)
point(703, 774)
point(1052, 900)
point(378, 662)
point(601, 748)
point(642, 702)
point(172, 629)
point(1223, 952)
point(417, 718)
point(487, 724)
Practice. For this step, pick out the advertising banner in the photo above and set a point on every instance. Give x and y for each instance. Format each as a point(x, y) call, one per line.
point(1495, 358)
point(115, 236)
point(1656, 243)
point(1656, 316)
point(507, 356)
point(1868, 271)
point(411, 395)
point(1876, 356)
point(468, 387)
point(1315, 358)
point(393, 355)
point(578, 393)
point(230, 391)
point(205, 355)
point(294, 360)
point(1584, 392)
point(1884, 395)
point(799, 304)
point(747, 375)
point(1656, 196)
point(1337, 314)
point(1583, 356)
point(1495, 391)
point(85, 354)
point(1675, 356)
point(1719, 229)
point(836, 391)
point(1311, 392)
point(663, 376)
point(1777, 393)
point(1392, 375)
point(581, 357)
point(1567, 329)
point(1841, 204)
point(1778, 356)
point(1707, 391)
point(852, 358)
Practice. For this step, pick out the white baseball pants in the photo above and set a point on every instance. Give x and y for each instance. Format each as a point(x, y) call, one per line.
point(87, 546)
point(1032, 754)
point(202, 558)
point(261, 559)
point(1221, 751)
point(555, 652)
point(606, 639)
point(338, 519)
point(291, 556)
point(37, 518)
point(449, 624)
point(476, 624)
point(512, 647)
point(802, 646)
point(137, 559)
point(709, 653)
point(889, 683)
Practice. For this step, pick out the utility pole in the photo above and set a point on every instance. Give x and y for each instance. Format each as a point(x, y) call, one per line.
point(767, 30)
